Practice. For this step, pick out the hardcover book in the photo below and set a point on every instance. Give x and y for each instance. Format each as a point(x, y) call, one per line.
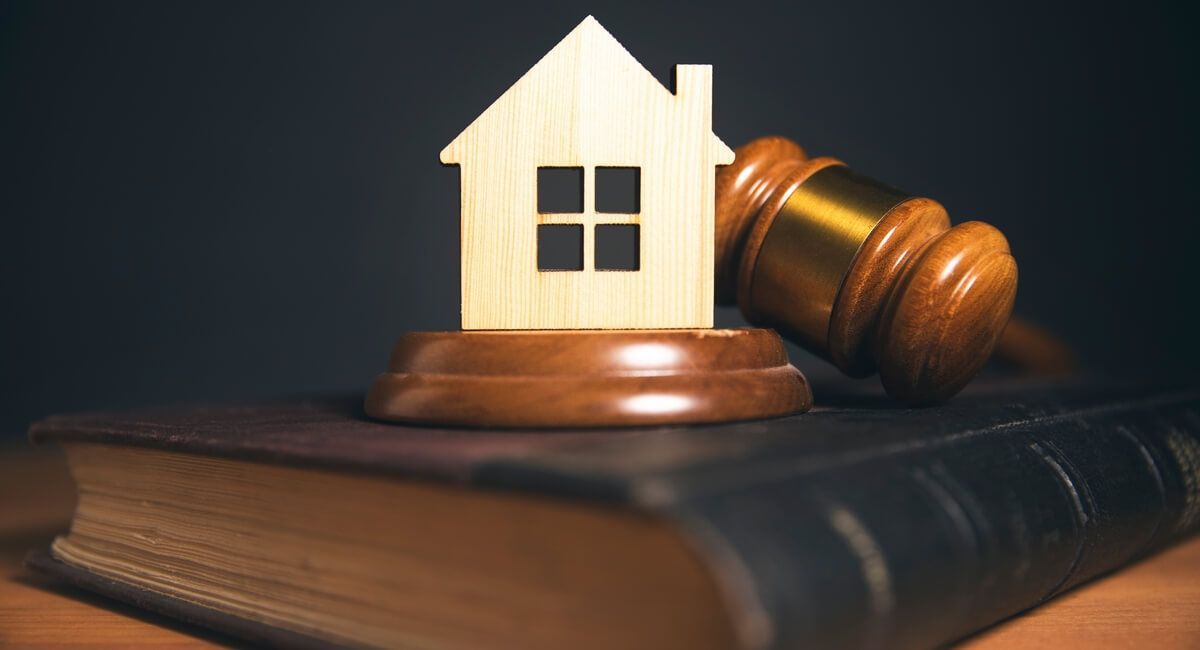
point(304, 523)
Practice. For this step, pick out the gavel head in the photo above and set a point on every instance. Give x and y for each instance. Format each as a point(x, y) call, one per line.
point(865, 275)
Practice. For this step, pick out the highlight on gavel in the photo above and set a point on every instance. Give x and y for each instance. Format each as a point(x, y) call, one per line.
point(867, 276)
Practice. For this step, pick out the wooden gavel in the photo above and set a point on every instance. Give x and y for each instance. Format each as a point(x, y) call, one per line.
point(867, 276)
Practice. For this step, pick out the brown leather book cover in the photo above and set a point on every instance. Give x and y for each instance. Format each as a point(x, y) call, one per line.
point(976, 510)
point(326, 432)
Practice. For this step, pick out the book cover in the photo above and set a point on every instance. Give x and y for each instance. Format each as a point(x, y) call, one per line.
point(845, 527)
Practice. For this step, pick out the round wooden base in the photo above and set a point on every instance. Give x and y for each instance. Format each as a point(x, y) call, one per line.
point(587, 378)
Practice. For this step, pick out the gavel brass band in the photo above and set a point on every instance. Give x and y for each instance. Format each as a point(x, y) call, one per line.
point(809, 248)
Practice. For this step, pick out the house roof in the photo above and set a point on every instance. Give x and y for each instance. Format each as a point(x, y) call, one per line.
point(589, 43)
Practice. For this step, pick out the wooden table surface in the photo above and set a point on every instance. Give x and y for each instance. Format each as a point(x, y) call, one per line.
point(1152, 604)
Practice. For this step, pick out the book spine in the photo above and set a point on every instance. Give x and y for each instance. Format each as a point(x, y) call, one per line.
point(923, 547)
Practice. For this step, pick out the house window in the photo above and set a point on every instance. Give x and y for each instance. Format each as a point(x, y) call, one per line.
point(560, 190)
point(618, 189)
point(581, 229)
point(560, 247)
point(617, 247)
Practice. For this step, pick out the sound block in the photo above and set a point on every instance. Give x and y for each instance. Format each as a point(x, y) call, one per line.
point(587, 378)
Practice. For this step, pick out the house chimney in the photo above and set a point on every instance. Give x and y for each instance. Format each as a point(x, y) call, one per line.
point(693, 83)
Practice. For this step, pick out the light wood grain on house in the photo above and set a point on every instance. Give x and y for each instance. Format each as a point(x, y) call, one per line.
point(588, 103)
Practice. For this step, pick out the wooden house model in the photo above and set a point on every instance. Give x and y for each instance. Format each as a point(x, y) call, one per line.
point(589, 111)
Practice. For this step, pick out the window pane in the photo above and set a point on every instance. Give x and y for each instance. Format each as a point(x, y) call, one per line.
point(618, 189)
point(617, 247)
point(560, 247)
point(560, 189)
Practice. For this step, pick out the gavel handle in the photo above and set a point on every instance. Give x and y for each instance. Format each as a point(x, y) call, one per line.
point(1033, 350)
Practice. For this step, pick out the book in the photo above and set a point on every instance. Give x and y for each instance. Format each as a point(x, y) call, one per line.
point(857, 525)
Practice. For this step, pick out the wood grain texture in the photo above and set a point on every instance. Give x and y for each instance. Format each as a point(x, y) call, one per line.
point(944, 316)
point(860, 273)
point(588, 103)
point(760, 169)
point(881, 260)
point(587, 379)
point(1153, 604)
